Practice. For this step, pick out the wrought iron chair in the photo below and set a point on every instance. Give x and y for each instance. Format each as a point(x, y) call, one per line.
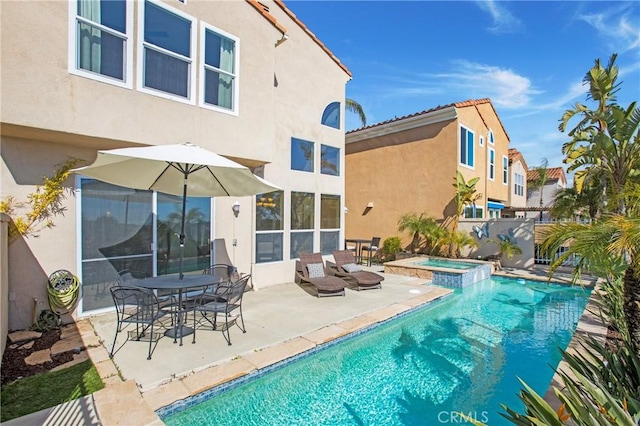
point(139, 306)
point(227, 300)
point(372, 249)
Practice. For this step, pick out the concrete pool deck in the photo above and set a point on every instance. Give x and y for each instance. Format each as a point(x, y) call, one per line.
point(281, 321)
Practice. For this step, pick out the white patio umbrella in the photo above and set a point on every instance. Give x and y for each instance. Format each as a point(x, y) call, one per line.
point(177, 170)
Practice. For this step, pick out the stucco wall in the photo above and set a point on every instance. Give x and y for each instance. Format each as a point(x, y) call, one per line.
point(4, 281)
point(49, 114)
point(399, 174)
point(522, 230)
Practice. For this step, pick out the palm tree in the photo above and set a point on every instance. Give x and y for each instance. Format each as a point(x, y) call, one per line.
point(466, 195)
point(602, 246)
point(604, 142)
point(540, 181)
point(356, 108)
point(417, 226)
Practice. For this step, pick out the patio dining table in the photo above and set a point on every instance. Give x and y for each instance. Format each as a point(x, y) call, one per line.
point(174, 283)
point(358, 246)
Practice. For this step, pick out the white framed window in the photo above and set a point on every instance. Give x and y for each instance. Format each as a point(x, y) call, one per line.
point(466, 147)
point(491, 169)
point(505, 170)
point(518, 185)
point(492, 140)
point(166, 46)
point(481, 141)
point(100, 40)
point(302, 223)
point(330, 213)
point(270, 227)
point(219, 69)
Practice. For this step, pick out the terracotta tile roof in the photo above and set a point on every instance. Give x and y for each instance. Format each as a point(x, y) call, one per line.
point(265, 12)
point(468, 103)
point(553, 173)
point(515, 155)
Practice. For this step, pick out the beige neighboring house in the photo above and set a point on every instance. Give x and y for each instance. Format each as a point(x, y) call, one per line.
point(408, 164)
point(540, 200)
point(517, 184)
point(244, 79)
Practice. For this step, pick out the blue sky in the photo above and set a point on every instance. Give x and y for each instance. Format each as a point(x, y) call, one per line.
point(529, 58)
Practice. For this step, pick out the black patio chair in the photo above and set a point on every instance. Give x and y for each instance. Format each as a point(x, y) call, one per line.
point(136, 306)
point(227, 300)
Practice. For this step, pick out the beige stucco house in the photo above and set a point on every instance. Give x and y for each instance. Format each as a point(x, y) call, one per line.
point(408, 164)
point(518, 170)
point(244, 79)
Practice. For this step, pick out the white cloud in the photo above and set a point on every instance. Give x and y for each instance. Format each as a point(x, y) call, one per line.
point(505, 87)
point(621, 32)
point(503, 20)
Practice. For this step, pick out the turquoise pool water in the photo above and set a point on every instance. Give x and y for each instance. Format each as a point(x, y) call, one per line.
point(445, 263)
point(460, 354)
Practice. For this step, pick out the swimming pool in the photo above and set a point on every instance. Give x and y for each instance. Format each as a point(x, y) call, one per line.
point(461, 354)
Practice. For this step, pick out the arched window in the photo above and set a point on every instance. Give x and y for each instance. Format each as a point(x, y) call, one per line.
point(331, 115)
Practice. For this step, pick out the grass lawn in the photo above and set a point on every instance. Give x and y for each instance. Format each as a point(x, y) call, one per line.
point(48, 389)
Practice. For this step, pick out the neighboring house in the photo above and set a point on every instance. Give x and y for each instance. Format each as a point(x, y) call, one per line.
point(409, 164)
point(244, 79)
point(517, 184)
point(556, 180)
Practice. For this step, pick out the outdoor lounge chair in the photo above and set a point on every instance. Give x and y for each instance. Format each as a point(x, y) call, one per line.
point(347, 268)
point(310, 269)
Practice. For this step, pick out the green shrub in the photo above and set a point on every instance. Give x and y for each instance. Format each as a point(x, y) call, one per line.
point(390, 247)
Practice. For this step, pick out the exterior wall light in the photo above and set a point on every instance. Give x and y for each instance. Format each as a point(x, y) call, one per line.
point(236, 208)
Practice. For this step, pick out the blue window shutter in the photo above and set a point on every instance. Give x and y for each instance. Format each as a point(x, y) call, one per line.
point(470, 148)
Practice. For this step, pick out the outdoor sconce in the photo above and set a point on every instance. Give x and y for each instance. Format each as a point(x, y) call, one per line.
point(346, 210)
point(236, 208)
point(368, 208)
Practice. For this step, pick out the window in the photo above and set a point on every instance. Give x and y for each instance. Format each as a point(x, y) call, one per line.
point(471, 212)
point(518, 186)
point(331, 115)
point(197, 231)
point(302, 155)
point(505, 170)
point(269, 227)
point(481, 141)
point(329, 223)
point(219, 73)
point(302, 223)
point(101, 40)
point(491, 138)
point(466, 146)
point(492, 164)
point(166, 49)
point(329, 160)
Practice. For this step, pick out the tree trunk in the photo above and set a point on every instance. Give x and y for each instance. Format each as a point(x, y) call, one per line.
point(631, 308)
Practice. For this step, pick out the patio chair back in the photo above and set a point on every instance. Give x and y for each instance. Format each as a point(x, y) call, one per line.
point(135, 305)
point(307, 259)
point(227, 300)
point(344, 257)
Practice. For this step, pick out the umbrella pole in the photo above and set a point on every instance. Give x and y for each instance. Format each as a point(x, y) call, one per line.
point(182, 236)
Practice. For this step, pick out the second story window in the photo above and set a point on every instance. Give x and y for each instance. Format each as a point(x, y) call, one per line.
point(219, 69)
point(329, 160)
point(505, 170)
point(302, 155)
point(518, 185)
point(331, 115)
point(492, 164)
point(466, 146)
point(102, 40)
point(167, 52)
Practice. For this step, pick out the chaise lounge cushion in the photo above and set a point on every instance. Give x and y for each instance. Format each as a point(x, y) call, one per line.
point(351, 267)
point(316, 270)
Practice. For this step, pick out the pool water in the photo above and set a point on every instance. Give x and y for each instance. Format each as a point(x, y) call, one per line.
point(463, 353)
point(446, 263)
